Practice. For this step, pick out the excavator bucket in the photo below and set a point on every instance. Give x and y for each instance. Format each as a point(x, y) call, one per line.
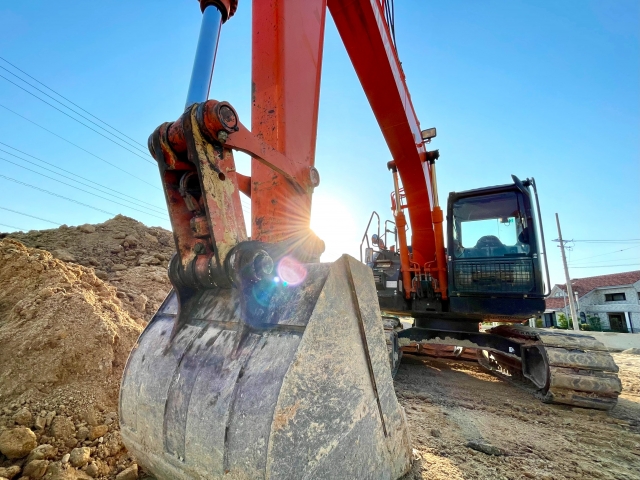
point(305, 393)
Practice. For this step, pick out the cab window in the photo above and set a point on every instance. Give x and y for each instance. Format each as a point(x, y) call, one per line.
point(490, 226)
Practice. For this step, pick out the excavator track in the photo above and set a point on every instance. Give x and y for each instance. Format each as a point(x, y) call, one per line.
point(566, 368)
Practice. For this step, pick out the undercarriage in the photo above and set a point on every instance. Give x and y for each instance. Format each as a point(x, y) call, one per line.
point(558, 367)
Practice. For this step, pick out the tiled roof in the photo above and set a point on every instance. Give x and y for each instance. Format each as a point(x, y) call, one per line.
point(585, 285)
point(555, 303)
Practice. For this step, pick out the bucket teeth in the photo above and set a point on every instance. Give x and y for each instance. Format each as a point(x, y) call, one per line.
point(305, 393)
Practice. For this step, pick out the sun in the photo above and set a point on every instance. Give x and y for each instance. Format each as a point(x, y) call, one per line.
point(332, 222)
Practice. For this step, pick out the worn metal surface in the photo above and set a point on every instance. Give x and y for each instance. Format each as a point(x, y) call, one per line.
point(568, 368)
point(470, 340)
point(202, 194)
point(287, 47)
point(304, 393)
point(441, 351)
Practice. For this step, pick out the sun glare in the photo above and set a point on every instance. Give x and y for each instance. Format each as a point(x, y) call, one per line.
point(332, 222)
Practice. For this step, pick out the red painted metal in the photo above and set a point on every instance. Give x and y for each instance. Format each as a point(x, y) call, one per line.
point(366, 36)
point(296, 174)
point(286, 66)
point(287, 60)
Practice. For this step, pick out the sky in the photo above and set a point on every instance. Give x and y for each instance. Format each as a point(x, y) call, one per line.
point(540, 89)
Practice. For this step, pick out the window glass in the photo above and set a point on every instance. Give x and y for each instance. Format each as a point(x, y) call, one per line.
point(490, 226)
point(614, 297)
point(502, 228)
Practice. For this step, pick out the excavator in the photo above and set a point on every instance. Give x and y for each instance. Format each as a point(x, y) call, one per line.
point(490, 271)
point(264, 362)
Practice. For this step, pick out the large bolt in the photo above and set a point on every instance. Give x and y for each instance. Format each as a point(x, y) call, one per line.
point(228, 117)
point(262, 265)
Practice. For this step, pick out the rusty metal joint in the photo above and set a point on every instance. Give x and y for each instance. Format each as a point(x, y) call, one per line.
point(248, 262)
point(227, 7)
point(244, 141)
point(200, 272)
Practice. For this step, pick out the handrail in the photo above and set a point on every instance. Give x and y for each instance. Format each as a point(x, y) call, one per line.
point(395, 233)
point(366, 231)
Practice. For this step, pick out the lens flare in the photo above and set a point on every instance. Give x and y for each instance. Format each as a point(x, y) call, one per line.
point(291, 272)
point(262, 293)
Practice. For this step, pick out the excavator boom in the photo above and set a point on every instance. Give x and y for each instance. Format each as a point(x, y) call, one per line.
point(262, 362)
point(265, 363)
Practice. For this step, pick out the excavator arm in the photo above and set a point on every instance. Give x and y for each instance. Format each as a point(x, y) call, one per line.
point(286, 67)
point(285, 108)
point(262, 362)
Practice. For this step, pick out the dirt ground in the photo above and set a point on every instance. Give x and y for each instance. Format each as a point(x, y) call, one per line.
point(73, 303)
point(450, 403)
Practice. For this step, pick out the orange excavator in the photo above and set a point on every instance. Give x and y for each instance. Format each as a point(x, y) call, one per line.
point(263, 362)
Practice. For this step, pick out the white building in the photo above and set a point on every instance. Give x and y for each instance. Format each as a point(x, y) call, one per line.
point(615, 299)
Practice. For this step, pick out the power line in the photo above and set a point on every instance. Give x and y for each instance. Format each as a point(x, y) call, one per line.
point(79, 147)
point(72, 103)
point(71, 109)
point(608, 253)
point(608, 266)
point(55, 194)
point(160, 210)
point(612, 260)
point(628, 240)
point(82, 190)
point(27, 215)
point(11, 226)
point(75, 119)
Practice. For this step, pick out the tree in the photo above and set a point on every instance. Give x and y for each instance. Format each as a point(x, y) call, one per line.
point(563, 322)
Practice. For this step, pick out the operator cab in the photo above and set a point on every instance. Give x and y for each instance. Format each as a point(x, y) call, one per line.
point(494, 262)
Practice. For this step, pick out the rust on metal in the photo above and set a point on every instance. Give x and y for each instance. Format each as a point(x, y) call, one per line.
point(227, 7)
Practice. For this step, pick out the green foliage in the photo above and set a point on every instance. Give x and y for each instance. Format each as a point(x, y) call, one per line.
point(594, 323)
point(585, 326)
point(539, 323)
point(562, 321)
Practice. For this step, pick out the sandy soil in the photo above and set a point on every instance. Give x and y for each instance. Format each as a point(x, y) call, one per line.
point(450, 403)
point(70, 327)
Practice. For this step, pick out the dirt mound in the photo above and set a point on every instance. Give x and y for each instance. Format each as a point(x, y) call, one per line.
point(65, 335)
point(122, 251)
point(65, 338)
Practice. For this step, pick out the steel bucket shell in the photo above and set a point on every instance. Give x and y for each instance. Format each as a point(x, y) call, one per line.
point(307, 394)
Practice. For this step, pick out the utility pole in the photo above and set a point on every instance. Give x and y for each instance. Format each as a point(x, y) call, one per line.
point(572, 300)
